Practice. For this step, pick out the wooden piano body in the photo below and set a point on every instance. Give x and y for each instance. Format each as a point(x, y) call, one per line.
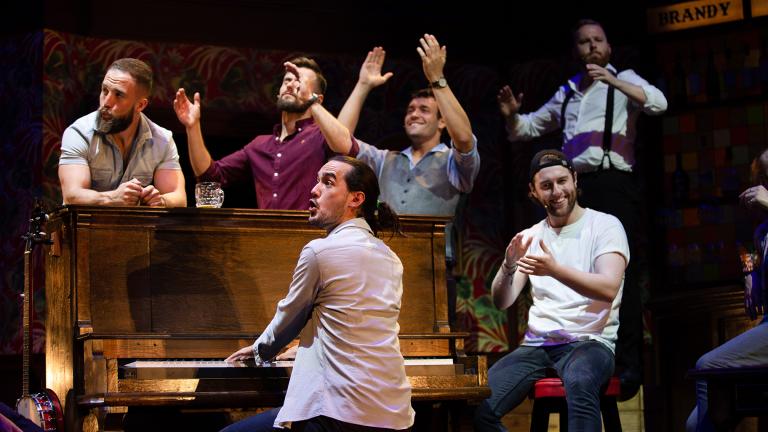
point(144, 283)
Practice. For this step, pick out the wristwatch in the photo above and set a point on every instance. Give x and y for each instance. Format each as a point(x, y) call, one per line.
point(440, 83)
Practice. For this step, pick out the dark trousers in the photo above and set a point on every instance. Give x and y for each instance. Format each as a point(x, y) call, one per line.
point(617, 193)
point(583, 366)
point(264, 423)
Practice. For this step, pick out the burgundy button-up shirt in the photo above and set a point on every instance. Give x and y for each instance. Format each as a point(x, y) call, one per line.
point(283, 172)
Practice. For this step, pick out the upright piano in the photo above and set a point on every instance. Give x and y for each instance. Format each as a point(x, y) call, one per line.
point(139, 286)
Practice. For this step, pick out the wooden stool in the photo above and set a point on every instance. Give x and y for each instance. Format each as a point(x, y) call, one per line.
point(549, 396)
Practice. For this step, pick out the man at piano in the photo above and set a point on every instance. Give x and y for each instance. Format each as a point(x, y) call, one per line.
point(344, 303)
point(281, 165)
point(116, 155)
point(574, 260)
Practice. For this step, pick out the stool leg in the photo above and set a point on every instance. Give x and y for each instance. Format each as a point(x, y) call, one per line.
point(563, 416)
point(540, 415)
point(610, 411)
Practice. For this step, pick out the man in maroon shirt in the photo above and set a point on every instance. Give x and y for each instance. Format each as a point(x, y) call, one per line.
point(282, 166)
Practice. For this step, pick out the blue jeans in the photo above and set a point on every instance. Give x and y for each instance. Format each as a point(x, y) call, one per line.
point(747, 349)
point(262, 422)
point(583, 366)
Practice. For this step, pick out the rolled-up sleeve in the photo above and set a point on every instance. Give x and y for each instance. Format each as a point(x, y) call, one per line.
point(372, 156)
point(463, 167)
point(540, 122)
point(655, 101)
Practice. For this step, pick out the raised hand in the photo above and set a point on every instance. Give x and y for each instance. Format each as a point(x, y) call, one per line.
point(509, 105)
point(599, 73)
point(432, 57)
point(188, 113)
point(370, 71)
point(303, 89)
point(517, 247)
point(756, 196)
point(539, 265)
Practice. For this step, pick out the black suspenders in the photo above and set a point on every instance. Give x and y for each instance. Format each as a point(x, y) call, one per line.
point(607, 129)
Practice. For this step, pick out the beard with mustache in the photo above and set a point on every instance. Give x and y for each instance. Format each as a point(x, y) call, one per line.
point(293, 106)
point(115, 124)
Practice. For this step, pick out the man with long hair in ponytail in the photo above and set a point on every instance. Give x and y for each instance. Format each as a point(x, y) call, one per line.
point(343, 303)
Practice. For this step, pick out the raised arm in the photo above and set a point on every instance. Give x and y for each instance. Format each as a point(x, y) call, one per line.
point(602, 285)
point(433, 58)
point(643, 94)
point(337, 135)
point(370, 77)
point(76, 189)
point(188, 114)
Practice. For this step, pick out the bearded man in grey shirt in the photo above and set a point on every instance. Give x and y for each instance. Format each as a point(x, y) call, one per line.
point(116, 155)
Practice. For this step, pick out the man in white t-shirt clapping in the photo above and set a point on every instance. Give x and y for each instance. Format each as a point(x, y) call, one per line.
point(574, 260)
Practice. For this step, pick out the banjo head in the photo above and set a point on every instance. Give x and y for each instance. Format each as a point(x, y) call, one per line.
point(42, 409)
point(27, 407)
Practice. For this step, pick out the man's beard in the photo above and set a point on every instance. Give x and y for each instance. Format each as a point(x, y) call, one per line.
point(562, 211)
point(598, 59)
point(116, 124)
point(294, 106)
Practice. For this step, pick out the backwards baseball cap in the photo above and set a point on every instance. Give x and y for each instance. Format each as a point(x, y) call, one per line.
point(546, 159)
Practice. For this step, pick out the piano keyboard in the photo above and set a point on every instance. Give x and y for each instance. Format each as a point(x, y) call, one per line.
point(184, 368)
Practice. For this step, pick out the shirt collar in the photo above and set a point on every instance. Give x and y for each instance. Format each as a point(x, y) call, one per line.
point(300, 124)
point(440, 148)
point(352, 223)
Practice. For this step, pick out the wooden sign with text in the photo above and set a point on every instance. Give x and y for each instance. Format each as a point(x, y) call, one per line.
point(759, 8)
point(687, 15)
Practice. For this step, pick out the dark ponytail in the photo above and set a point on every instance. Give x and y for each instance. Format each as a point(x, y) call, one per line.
point(361, 178)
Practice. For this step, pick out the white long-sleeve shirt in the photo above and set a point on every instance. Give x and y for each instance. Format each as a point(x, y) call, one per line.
point(585, 121)
point(345, 294)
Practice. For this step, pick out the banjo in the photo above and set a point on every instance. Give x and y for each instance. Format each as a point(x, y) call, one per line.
point(44, 408)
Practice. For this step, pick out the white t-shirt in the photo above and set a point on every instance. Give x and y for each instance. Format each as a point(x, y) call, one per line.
point(559, 314)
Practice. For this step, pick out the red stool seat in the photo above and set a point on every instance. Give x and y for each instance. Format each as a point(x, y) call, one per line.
point(549, 396)
point(553, 387)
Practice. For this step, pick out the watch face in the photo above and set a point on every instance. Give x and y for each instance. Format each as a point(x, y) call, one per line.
point(440, 83)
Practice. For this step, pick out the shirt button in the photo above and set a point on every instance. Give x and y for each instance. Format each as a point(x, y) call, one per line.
point(405, 191)
point(299, 129)
point(402, 202)
point(279, 155)
point(274, 195)
point(275, 174)
point(302, 141)
point(408, 180)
